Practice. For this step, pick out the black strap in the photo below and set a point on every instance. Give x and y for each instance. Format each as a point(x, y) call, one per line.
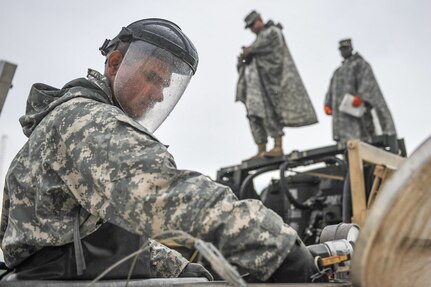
point(79, 253)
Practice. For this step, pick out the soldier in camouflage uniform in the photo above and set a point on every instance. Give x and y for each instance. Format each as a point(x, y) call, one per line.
point(92, 177)
point(270, 86)
point(355, 77)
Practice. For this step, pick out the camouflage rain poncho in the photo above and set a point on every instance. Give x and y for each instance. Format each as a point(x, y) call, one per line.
point(279, 81)
point(356, 77)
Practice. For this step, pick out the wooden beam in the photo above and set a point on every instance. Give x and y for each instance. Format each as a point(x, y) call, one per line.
point(378, 156)
point(356, 171)
point(358, 153)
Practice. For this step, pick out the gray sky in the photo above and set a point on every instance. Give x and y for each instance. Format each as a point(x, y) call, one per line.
point(56, 41)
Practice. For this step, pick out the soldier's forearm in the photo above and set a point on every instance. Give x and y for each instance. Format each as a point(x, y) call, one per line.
point(248, 234)
point(266, 45)
point(165, 262)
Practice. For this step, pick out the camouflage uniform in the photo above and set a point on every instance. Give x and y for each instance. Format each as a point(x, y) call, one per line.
point(271, 87)
point(356, 77)
point(261, 116)
point(83, 152)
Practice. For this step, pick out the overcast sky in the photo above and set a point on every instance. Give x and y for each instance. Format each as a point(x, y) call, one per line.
point(55, 41)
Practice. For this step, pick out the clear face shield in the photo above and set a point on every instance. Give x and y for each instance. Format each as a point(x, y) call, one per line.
point(149, 83)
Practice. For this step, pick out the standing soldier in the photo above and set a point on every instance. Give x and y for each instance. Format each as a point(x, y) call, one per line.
point(270, 86)
point(365, 113)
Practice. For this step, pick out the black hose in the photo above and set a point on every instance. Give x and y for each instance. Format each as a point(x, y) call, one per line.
point(285, 189)
point(250, 177)
point(284, 186)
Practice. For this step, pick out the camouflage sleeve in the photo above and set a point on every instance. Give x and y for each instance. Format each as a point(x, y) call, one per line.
point(267, 42)
point(369, 91)
point(328, 97)
point(4, 213)
point(165, 262)
point(362, 84)
point(125, 176)
point(366, 82)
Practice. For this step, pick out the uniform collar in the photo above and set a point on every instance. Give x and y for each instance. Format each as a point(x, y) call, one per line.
point(101, 81)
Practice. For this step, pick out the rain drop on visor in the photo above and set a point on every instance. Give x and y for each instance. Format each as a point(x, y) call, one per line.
point(149, 83)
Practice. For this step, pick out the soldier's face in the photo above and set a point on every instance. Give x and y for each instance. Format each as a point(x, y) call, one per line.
point(257, 26)
point(346, 51)
point(141, 86)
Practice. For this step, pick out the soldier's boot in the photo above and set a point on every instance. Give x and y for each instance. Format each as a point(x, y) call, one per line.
point(278, 148)
point(261, 149)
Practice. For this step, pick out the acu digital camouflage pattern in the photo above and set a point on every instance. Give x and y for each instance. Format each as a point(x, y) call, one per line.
point(262, 118)
point(262, 127)
point(165, 262)
point(84, 151)
point(39, 203)
point(278, 82)
point(356, 77)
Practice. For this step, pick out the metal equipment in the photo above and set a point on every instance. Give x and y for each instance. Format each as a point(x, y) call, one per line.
point(318, 187)
point(335, 250)
point(7, 71)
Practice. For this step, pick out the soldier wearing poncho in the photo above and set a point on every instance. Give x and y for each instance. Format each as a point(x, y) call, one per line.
point(355, 77)
point(270, 86)
point(92, 182)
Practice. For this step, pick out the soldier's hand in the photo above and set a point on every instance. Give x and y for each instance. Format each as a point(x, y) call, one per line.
point(245, 51)
point(196, 270)
point(357, 101)
point(328, 110)
point(240, 60)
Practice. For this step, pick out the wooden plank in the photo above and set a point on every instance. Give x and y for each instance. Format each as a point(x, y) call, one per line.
point(358, 153)
point(379, 172)
point(378, 156)
point(357, 184)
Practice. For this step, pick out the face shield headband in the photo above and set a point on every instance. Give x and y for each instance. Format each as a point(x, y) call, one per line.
point(149, 83)
point(126, 35)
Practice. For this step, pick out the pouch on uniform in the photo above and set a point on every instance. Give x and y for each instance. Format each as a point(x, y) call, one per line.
point(347, 107)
